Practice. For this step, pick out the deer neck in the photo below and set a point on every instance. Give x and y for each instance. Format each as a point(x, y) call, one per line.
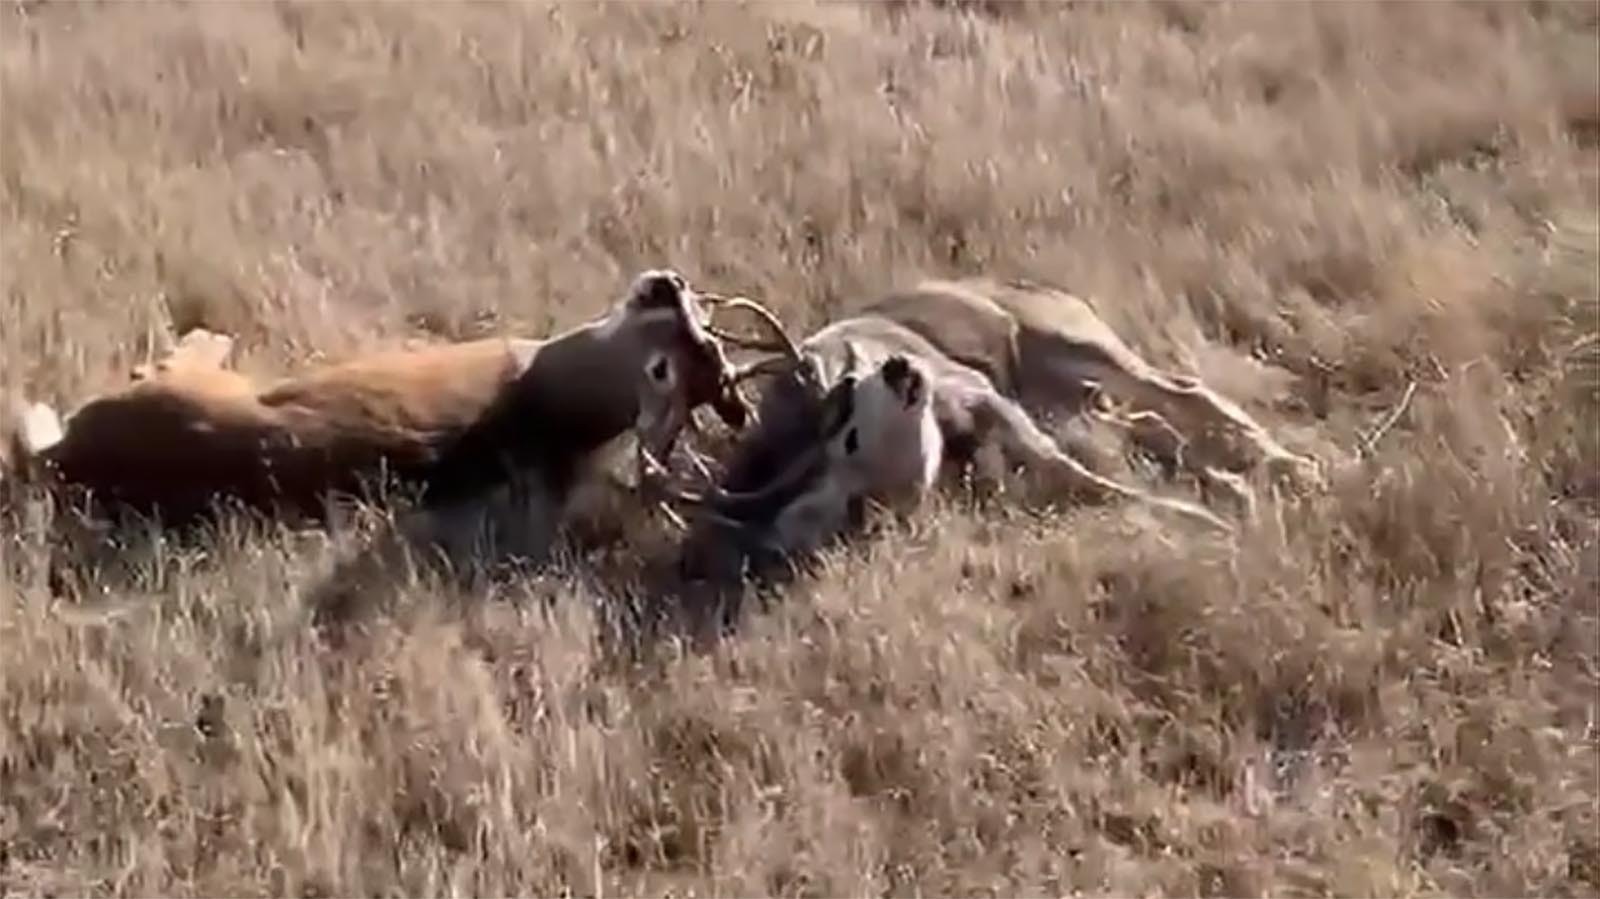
point(588, 380)
point(576, 392)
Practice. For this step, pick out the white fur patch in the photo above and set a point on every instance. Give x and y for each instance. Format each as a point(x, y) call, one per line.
point(40, 428)
point(890, 450)
point(899, 446)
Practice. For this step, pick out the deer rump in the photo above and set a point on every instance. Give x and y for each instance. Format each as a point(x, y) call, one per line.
point(177, 442)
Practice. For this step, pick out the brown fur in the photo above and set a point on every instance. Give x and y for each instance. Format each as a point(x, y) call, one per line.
point(179, 438)
point(455, 418)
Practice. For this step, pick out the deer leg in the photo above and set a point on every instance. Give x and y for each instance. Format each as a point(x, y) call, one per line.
point(1150, 432)
point(1240, 440)
point(197, 350)
point(1214, 432)
point(1231, 488)
point(1023, 440)
point(1067, 383)
point(984, 473)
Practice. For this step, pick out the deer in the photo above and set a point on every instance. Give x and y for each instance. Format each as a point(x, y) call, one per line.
point(457, 421)
point(932, 381)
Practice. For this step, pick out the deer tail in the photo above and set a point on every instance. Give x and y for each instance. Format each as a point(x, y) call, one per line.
point(33, 429)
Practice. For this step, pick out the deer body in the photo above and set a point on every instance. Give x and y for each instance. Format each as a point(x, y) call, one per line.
point(175, 442)
point(992, 356)
point(455, 419)
point(1049, 350)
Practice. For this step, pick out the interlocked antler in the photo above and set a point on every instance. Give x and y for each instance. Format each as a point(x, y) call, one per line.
point(720, 505)
point(779, 342)
point(727, 507)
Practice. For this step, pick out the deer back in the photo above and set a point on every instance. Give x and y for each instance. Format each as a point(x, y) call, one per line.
point(175, 442)
point(416, 395)
point(1056, 327)
point(964, 324)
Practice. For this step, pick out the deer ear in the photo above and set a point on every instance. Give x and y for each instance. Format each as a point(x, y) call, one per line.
point(838, 407)
point(658, 289)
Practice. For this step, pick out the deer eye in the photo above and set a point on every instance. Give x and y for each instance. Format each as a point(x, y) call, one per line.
point(852, 441)
point(659, 370)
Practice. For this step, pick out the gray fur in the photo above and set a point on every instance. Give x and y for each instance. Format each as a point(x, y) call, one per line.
point(995, 356)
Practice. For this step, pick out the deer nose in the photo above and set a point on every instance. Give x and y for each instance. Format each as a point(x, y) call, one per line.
point(660, 288)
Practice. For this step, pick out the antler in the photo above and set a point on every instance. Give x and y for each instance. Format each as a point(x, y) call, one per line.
point(717, 503)
point(714, 502)
point(780, 342)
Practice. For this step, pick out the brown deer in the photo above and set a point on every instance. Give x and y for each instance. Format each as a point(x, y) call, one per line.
point(454, 420)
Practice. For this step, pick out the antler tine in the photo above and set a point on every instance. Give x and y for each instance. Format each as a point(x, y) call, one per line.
point(713, 499)
point(785, 343)
point(759, 367)
point(743, 342)
point(653, 477)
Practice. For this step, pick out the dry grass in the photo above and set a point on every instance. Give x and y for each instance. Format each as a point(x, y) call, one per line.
point(1388, 690)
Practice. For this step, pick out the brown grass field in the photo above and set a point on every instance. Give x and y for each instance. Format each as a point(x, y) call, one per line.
point(1389, 689)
